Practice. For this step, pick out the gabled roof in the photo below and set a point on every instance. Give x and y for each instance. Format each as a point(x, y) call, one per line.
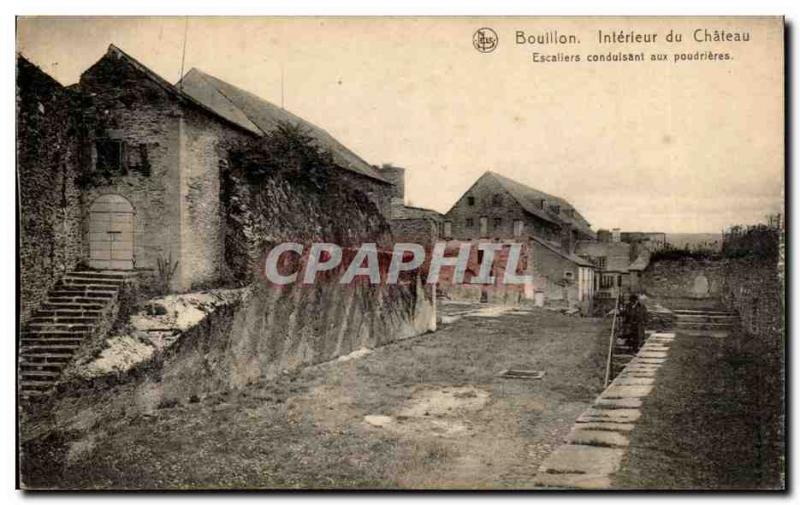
point(530, 200)
point(640, 263)
point(409, 212)
point(115, 52)
point(560, 252)
point(256, 114)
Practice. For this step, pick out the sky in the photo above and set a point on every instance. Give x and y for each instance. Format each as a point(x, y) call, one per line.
point(652, 146)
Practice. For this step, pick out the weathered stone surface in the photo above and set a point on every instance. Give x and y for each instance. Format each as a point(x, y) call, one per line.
point(610, 415)
point(600, 438)
point(583, 459)
point(601, 426)
point(378, 421)
point(572, 481)
point(615, 391)
point(618, 403)
point(627, 380)
point(649, 361)
point(652, 355)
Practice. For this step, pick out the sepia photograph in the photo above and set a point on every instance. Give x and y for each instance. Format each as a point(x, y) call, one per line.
point(400, 253)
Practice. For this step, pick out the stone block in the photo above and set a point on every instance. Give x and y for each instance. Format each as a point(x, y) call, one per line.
point(609, 415)
point(600, 438)
point(615, 391)
point(583, 459)
point(572, 481)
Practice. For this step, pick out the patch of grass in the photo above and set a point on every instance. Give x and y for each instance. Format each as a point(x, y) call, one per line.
point(715, 422)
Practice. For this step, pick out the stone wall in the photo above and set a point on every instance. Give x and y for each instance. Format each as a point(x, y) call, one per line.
point(171, 168)
point(683, 278)
point(49, 203)
point(753, 289)
point(421, 231)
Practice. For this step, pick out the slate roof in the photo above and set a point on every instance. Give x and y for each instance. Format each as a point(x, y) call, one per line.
point(640, 263)
point(530, 198)
point(408, 212)
point(260, 116)
point(557, 250)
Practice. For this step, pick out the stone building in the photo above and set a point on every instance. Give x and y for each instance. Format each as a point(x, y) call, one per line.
point(619, 264)
point(500, 209)
point(410, 224)
point(148, 160)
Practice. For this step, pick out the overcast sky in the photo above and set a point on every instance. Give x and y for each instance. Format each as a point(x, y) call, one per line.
point(686, 147)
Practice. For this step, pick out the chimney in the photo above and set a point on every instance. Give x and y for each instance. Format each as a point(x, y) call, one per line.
point(615, 234)
point(397, 176)
point(603, 236)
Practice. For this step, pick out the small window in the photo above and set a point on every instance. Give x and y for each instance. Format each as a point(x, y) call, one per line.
point(518, 227)
point(470, 222)
point(448, 229)
point(470, 200)
point(601, 262)
point(498, 222)
point(110, 155)
point(568, 275)
point(497, 199)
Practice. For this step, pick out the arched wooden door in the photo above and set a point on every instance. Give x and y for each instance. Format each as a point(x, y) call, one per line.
point(111, 233)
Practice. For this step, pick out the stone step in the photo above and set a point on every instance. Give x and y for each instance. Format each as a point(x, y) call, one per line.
point(36, 384)
point(691, 312)
point(79, 300)
point(49, 333)
point(41, 366)
point(61, 305)
point(68, 286)
point(72, 319)
point(47, 348)
point(103, 274)
point(60, 295)
point(46, 358)
point(76, 341)
point(68, 313)
point(33, 374)
point(89, 281)
point(63, 327)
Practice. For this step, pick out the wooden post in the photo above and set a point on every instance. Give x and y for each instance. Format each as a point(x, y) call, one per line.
point(611, 342)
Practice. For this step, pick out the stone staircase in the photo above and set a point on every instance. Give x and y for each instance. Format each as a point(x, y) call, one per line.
point(705, 322)
point(74, 309)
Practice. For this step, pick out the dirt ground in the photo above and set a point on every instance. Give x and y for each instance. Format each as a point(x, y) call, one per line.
point(427, 412)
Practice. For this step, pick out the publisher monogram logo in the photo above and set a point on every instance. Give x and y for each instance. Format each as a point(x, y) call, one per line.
point(485, 40)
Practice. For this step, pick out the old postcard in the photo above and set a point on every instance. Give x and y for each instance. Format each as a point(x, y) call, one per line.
point(400, 253)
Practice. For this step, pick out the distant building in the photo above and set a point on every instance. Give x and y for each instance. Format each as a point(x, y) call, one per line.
point(500, 209)
point(619, 264)
point(410, 224)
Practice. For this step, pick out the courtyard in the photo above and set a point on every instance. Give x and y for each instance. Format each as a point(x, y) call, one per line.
point(429, 412)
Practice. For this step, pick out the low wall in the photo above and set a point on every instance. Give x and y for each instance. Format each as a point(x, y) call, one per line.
point(683, 278)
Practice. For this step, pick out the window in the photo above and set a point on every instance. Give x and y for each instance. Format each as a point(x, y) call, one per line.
point(470, 200)
point(555, 209)
point(568, 276)
point(518, 227)
point(110, 156)
point(448, 229)
point(498, 222)
point(607, 281)
point(484, 226)
point(470, 222)
point(497, 199)
point(601, 262)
